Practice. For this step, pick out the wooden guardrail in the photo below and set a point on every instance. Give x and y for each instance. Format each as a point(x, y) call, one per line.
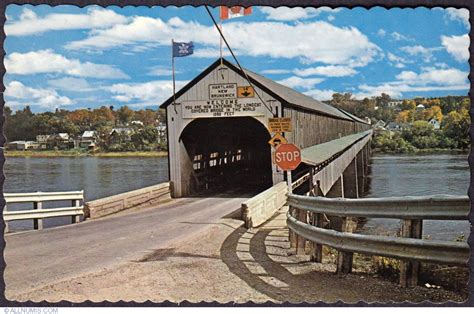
point(134, 199)
point(260, 208)
point(410, 248)
point(39, 213)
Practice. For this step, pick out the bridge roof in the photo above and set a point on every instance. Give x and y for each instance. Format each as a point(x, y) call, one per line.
point(318, 154)
point(287, 96)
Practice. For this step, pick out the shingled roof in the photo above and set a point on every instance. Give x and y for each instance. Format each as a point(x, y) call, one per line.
point(286, 95)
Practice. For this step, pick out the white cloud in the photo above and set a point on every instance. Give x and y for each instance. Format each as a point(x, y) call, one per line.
point(161, 71)
point(71, 84)
point(320, 94)
point(46, 61)
point(330, 70)
point(18, 94)
point(30, 23)
point(430, 79)
point(425, 53)
point(381, 32)
point(297, 13)
point(305, 83)
point(312, 42)
point(153, 92)
point(398, 37)
point(461, 15)
point(457, 46)
point(275, 71)
point(397, 61)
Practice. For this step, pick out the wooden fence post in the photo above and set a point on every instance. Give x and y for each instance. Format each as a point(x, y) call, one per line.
point(37, 222)
point(75, 218)
point(300, 241)
point(316, 254)
point(344, 259)
point(409, 270)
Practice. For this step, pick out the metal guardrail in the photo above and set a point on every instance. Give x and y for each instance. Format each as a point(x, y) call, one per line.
point(445, 252)
point(410, 248)
point(436, 207)
point(39, 213)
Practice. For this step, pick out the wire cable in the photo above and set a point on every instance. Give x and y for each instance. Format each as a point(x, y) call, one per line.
point(237, 61)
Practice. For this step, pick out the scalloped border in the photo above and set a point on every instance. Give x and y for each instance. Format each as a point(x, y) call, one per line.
point(367, 4)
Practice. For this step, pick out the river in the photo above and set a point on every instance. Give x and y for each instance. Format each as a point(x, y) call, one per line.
point(391, 175)
point(424, 174)
point(97, 176)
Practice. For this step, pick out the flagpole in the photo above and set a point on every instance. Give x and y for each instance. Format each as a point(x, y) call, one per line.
point(174, 84)
point(220, 39)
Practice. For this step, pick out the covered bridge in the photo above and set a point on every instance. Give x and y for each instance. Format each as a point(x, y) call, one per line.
point(218, 135)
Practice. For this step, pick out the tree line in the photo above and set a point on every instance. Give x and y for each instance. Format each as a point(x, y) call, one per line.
point(452, 112)
point(25, 125)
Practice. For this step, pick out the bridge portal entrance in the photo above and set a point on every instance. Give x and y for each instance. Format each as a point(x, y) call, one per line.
point(230, 155)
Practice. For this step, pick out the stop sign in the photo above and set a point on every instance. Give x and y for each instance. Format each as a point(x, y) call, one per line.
point(287, 157)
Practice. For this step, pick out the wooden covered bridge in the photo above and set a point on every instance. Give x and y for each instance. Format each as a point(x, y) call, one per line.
point(218, 134)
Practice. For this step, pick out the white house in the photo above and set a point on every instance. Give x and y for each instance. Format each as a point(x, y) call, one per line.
point(88, 139)
point(435, 123)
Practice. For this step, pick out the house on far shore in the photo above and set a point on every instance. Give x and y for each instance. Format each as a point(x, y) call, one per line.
point(121, 134)
point(22, 145)
point(161, 128)
point(420, 107)
point(435, 123)
point(42, 141)
point(395, 126)
point(60, 141)
point(380, 125)
point(88, 139)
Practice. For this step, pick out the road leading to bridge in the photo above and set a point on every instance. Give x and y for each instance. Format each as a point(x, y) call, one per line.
point(37, 258)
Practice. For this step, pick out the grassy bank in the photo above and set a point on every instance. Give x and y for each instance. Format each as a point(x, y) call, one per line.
point(422, 151)
point(79, 153)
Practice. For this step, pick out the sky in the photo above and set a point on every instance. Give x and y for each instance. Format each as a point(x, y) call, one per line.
point(68, 57)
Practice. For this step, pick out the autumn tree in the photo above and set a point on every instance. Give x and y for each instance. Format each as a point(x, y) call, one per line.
point(125, 115)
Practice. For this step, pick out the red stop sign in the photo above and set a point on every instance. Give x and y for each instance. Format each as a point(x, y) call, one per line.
point(287, 156)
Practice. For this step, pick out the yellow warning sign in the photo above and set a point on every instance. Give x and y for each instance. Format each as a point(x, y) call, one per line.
point(245, 92)
point(277, 139)
point(278, 125)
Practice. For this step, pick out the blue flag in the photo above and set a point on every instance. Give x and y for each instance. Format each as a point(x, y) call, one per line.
point(183, 49)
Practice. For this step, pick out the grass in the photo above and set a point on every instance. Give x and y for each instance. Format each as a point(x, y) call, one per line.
point(82, 153)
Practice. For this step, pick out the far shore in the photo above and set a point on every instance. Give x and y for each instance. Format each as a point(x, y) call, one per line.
point(75, 153)
point(424, 151)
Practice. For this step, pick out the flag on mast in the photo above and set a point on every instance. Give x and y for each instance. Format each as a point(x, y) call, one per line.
point(236, 11)
point(179, 49)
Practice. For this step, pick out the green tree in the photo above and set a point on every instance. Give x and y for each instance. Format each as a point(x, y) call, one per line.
point(125, 115)
point(456, 126)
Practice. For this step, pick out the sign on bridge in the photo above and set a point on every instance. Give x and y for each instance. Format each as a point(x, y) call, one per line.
point(288, 157)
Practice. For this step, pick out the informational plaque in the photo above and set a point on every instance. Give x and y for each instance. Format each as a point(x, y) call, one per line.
point(222, 108)
point(279, 125)
point(222, 91)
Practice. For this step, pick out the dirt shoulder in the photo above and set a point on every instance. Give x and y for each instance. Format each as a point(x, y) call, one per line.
point(227, 263)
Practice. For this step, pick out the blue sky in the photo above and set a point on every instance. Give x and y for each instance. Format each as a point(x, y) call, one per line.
point(69, 57)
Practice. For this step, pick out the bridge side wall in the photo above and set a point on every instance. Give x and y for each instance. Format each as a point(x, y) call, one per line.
point(310, 128)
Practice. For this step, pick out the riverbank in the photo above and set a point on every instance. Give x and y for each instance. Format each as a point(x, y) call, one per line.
point(421, 151)
point(79, 153)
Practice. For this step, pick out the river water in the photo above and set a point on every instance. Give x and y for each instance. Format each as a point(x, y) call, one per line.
point(391, 175)
point(413, 175)
point(97, 176)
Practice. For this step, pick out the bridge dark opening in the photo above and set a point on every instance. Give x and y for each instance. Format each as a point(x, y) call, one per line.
point(229, 155)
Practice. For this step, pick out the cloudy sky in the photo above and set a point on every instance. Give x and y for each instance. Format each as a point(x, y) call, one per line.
point(70, 57)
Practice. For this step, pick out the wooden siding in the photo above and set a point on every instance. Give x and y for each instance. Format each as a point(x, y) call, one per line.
point(310, 128)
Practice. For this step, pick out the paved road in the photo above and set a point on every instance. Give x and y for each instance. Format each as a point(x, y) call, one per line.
point(37, 258)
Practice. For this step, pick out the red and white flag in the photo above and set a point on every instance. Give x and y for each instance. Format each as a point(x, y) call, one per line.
point(237, 11)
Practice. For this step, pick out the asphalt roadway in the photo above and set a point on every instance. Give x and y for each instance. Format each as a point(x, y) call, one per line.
point(38, 258)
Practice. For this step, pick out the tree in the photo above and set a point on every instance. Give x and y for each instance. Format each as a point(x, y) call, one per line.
point(125, 115)
point(456, 126)
point(408, 105)
point(433, 112)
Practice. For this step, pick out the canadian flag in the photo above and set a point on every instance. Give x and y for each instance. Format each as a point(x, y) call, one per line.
point(237, 11)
